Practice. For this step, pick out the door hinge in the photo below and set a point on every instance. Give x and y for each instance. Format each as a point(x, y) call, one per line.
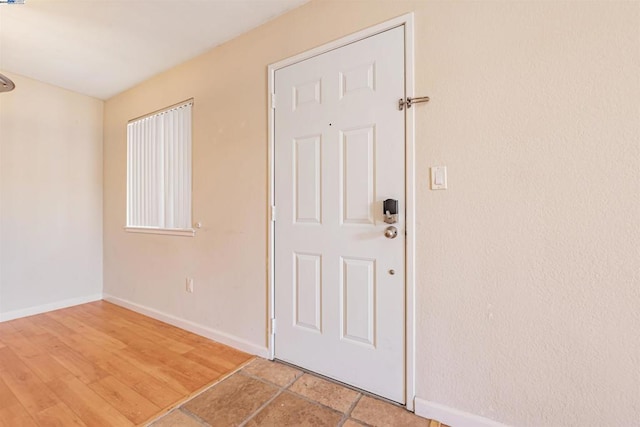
point(272, 326)
point(273, 100)
point(273, 214)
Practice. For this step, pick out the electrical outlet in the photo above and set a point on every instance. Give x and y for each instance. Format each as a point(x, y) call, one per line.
point(189, 285)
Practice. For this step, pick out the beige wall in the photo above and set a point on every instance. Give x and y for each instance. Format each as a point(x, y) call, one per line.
point(528, 281)
point(50, 198)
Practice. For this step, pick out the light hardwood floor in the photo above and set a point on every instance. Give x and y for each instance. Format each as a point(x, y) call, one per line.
point(99, 364)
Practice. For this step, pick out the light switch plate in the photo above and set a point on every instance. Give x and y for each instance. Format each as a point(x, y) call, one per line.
point(438, 177)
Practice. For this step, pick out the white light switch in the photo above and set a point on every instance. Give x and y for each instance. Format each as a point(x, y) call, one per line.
point(438, 177)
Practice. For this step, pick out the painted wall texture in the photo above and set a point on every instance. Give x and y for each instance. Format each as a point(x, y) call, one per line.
point(50, 197)
point(528, 279)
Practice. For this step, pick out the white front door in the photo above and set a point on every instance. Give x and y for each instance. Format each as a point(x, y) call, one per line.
point(339, 153)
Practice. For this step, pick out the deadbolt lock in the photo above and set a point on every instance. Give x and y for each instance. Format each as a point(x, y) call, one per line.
point(390, 211)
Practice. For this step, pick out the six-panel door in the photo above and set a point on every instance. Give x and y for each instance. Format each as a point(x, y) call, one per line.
point(339, 153)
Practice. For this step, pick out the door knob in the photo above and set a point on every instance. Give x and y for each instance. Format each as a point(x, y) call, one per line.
point(390, 232)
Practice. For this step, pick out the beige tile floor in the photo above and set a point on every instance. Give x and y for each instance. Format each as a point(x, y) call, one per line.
point(265, 393)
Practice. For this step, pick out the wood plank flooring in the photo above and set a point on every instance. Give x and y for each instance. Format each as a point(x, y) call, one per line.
point(99, 364)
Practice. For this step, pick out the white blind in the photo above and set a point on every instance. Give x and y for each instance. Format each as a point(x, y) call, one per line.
point(159, 170)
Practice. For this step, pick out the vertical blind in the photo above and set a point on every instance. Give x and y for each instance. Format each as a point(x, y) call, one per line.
point(159, 170)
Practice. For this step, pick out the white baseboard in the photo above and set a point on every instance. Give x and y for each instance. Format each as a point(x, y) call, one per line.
point(221, 337)
point(450, 416)
point(30, 311)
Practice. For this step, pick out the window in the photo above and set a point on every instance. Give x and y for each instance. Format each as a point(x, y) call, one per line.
point(159, 172)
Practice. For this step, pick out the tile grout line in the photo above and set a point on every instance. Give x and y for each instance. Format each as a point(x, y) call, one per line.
point(281, 390)
point(287, 388)
point(263, 406)
point(190, 414)
point(315, 402)
point(347, 414)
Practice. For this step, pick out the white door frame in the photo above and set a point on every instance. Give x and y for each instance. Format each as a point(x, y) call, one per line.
point(410, 285)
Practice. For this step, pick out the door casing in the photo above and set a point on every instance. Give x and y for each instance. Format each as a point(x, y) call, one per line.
point(406, 21)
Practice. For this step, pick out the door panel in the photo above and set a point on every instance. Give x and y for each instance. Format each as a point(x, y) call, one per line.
point(307, 292)
point(358, 299)
point(308, 178)
point(339, 153)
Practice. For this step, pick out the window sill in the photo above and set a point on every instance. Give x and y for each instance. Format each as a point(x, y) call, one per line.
point(187, 232)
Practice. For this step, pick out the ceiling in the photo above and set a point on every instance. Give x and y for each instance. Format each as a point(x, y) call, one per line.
point(103, 47)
